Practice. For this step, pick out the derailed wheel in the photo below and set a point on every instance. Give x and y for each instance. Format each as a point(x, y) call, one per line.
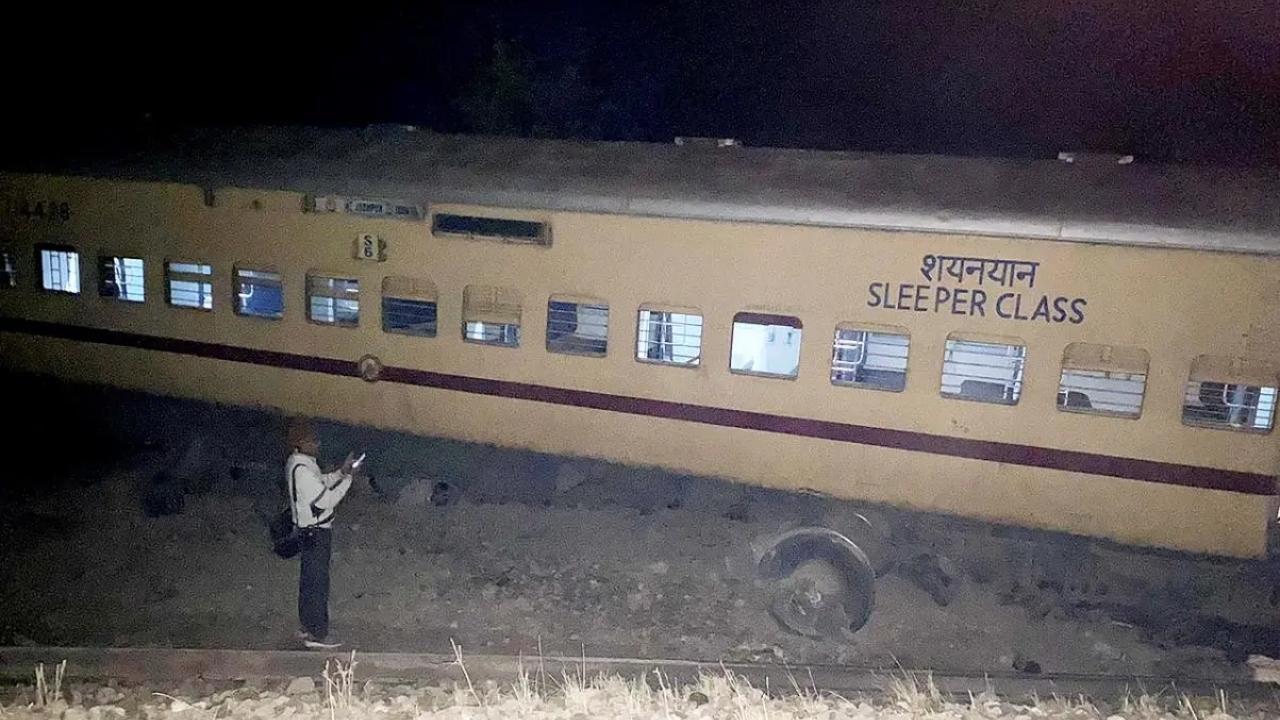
point(819, 583)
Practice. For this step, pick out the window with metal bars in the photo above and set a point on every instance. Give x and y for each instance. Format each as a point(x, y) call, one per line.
point(189, 284)
point(577, 326)
point(491, 315)
point(765, 345)
point(671, 337)
point(505, 229)
point(1231, 394)
point(1103, 380)
point(59, 269)
point(1230, 406)
point(121, 278)
point(983, 370)
point(259, 293)
point(409, 306)
point(333, 300)
point(8, 270)
point(1102, 392)
point(872, 359)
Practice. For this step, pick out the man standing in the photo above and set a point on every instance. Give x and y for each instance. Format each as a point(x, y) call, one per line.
point(314, 497)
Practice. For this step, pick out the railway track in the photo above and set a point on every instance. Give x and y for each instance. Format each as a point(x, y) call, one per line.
point(152, 665)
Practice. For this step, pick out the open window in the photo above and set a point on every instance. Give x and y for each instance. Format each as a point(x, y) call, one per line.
point(870, 356)
point(765, 345)
point(1231, 394)
point(8, 270)
point(491, 315)
point(189, 284)
point(121, 278)
point(1103, 380)
point(577, 325)
point(669, 336)
point(59, 269)
point(983, 368)
point(409, 306)
point(259, 293)
point(333, 300)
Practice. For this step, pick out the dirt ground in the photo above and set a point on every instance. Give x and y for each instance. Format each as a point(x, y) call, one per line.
point(512, 552)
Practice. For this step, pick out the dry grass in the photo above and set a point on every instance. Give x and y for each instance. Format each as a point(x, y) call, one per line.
point(339, 686)
point(471, 688)
point(575, 695)
point(46, 696)
point(916, 695)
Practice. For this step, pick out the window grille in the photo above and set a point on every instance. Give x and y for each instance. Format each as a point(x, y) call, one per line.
point(1231, 394)
point(259, 293)
point(121, 278)
point(190, 285)
point(1103, 380)
point(983, 370)
point(60, 270)
point(669, 337)
point(409, 307)
point(333, 300)
point(577, 326)
point(874, 359)
point(491, 315)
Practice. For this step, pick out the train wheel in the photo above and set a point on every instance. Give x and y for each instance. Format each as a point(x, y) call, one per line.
point(819, 583)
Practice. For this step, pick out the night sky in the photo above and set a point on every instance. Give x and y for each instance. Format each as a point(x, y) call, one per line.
point(1166, 79)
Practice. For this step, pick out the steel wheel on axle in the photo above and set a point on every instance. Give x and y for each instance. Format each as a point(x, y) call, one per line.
point(818, 583)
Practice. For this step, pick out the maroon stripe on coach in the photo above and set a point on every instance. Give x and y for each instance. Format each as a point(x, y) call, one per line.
point(1010, 453)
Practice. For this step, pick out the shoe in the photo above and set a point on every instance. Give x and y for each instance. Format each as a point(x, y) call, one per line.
point(324, 643)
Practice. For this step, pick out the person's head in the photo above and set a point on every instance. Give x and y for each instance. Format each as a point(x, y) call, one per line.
point(302, 437)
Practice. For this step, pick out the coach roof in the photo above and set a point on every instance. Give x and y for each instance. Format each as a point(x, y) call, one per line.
point(1226, 209)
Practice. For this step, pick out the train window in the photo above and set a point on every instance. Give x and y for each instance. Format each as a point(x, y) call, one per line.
point(409, 306)
point(59, 269)
point(491, 315)
point(870, 356)
point(121, 278)
point(766, 345)
point(577, 326)
point(505, 229)
point(8, 270)
point(259, 293)
point(1231, 394)
point(983, 369)
point(1103, 380)
point(190, 285)
point(671, 337)
point(333, 300)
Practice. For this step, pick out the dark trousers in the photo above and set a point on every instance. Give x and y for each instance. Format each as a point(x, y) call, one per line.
point(313, 582)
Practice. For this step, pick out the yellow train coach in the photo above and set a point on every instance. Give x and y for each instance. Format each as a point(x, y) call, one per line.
point(1082, 346)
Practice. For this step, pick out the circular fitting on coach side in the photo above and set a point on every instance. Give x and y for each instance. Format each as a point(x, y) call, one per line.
point(370, 368)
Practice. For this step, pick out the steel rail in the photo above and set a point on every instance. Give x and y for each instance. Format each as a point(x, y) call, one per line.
point(151, 665)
